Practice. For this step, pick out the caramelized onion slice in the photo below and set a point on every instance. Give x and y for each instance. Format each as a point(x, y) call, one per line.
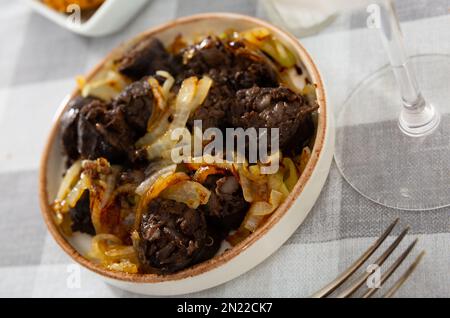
point(265, 208)
point(291, 174)
point(71, 176)
point(203, 87)
point(252, 222)
point(191, 94)
point(101, 241)
point(109, 250)
point(210, 161)
point(107, 88)
point(266, 42)
point(158, 93)
point(276, 182)
point(125, 266)
point(147, 183)
point(303, 158)
point(154, 191)
point(75, 194)
point(188, 192)
point(120, 252)
point(168, 83)
point(253, 190)
point(159, 121)
point(203, 172)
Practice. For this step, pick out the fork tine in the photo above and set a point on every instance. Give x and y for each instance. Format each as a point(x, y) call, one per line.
point(404, 277)
point(360, 281)
point(391, 270)
point(338, 281)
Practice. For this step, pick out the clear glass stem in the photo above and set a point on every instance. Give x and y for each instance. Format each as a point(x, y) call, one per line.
point(417, 118)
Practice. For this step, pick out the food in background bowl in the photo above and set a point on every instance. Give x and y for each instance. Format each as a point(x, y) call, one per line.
point(147, 214)
point(62, 5)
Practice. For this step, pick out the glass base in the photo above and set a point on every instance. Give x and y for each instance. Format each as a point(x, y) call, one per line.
point(420, 122)
point(382, 162)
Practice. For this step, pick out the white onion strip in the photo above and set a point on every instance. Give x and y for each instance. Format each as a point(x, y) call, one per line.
point(191, 95)
point(168, 83)
point(147, 183)
point(71, 176)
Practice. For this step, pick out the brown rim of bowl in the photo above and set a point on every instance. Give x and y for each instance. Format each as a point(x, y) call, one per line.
point(236, 250)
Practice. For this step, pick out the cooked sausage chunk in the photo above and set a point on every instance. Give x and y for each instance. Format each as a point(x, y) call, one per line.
point(145, 58)
point(136, 102)
point(226, 207)
point(272, 108)
point(229, 62)
point(92, 128)
point(172, 236)
point(69, 126)
point(231, 67)
point(103, 132)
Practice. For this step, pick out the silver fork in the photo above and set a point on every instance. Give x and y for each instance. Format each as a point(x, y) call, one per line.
point(359, 281)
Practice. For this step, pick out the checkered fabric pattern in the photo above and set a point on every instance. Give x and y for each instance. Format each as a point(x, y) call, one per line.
point(38, 63)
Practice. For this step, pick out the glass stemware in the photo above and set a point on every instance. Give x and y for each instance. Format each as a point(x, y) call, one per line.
point(393, 132)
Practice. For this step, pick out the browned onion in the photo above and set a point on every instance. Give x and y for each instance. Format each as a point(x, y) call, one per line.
point(188, 192)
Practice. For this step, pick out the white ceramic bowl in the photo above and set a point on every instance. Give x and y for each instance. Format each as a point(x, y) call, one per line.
point(262, 243)
point(110, 17)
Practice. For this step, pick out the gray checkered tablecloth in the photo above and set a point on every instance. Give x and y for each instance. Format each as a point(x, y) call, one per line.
point(38, 62)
